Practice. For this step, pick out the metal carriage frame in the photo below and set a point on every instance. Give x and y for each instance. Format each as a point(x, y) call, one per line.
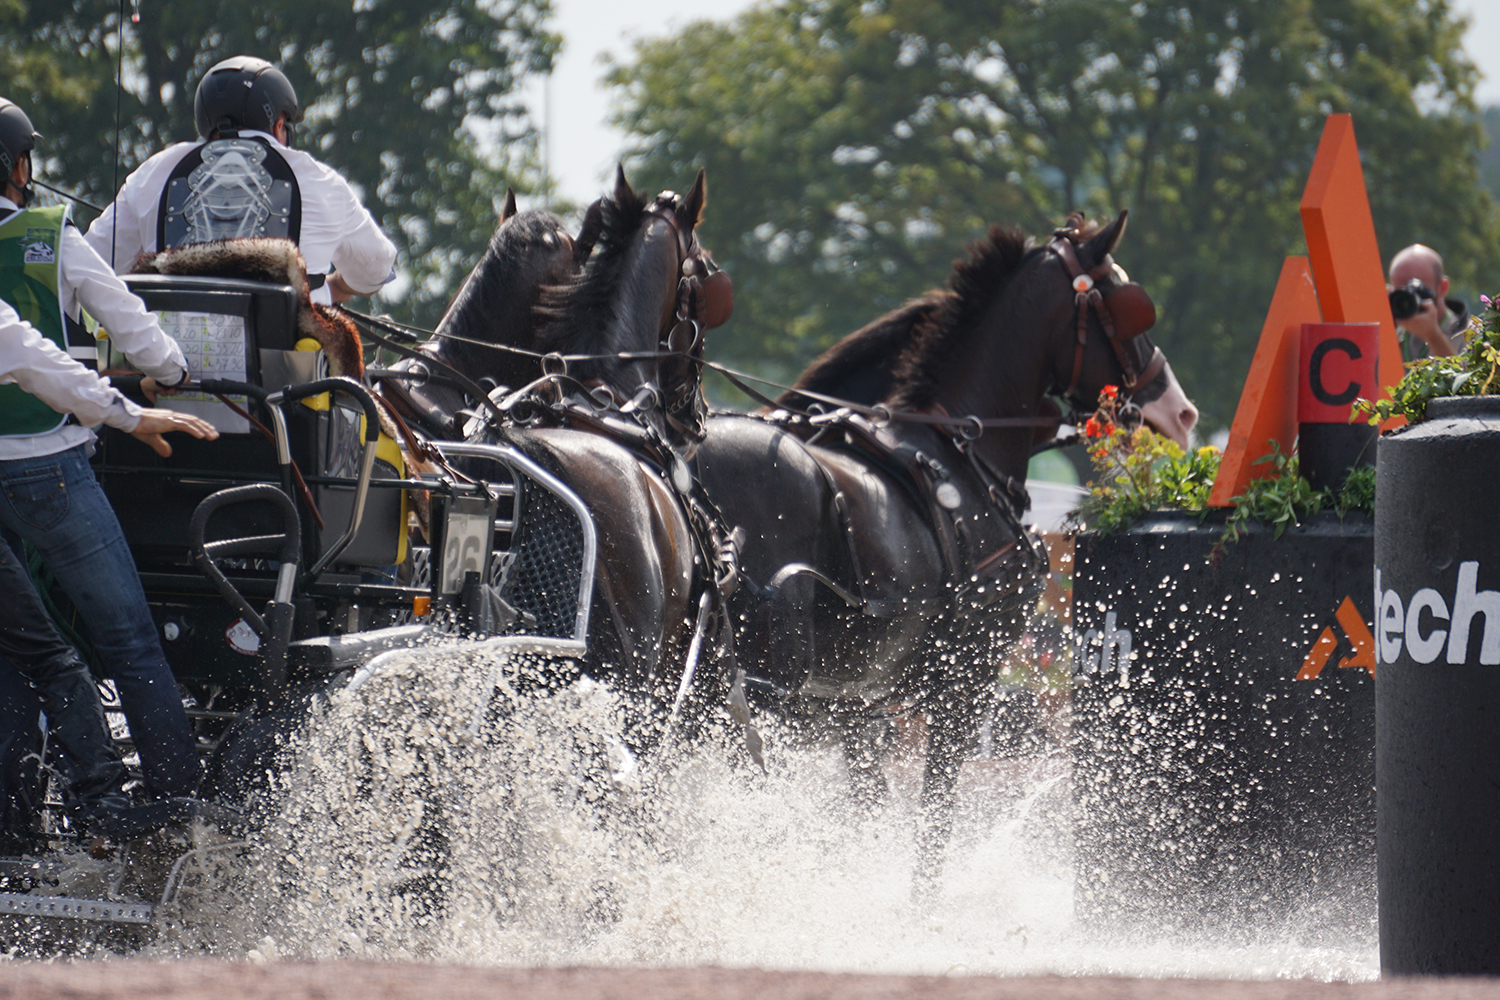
point(258, 605)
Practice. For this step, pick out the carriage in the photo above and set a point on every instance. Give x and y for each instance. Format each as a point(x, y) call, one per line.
point(279, 564)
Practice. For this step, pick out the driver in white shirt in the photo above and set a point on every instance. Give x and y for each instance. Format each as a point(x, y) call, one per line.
point(243, 179)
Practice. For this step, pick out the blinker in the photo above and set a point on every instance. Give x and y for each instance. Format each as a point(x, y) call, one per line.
point(718, 299)
point(1131, 309)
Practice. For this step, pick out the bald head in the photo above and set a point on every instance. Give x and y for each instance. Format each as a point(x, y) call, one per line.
point(1420, 262)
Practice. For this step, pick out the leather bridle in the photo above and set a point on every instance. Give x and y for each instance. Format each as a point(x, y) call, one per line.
point(1124, 310)
point(705, 298)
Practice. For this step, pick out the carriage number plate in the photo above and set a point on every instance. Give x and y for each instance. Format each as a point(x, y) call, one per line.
point(466, 548)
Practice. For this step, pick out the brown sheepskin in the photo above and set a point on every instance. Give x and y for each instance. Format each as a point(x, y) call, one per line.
point(272, 260)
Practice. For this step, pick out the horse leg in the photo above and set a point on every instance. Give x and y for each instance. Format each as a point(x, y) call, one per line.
point(953, 727)
point(865, 742)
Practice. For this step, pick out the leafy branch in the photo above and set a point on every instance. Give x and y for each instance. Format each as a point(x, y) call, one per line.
point(1473, 371)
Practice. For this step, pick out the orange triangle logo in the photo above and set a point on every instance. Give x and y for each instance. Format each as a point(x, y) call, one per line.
point(1352, 624)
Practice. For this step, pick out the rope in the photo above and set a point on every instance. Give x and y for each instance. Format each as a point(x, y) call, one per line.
point(68, 194)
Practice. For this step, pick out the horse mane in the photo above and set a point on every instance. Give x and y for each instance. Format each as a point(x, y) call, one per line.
point(579, 315)
point(528, 251)
point(860, 368)
point(925, 364)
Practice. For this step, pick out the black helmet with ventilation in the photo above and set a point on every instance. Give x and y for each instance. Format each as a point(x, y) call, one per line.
point(244, 93)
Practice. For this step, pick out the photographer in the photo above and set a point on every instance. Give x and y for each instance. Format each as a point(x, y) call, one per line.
point(1429, 321)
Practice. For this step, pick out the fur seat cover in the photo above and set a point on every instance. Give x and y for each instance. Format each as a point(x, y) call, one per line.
point(277, 261)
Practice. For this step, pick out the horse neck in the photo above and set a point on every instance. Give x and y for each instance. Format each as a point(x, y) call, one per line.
point(1003, 374)
point(635, 316)
point(495, 306)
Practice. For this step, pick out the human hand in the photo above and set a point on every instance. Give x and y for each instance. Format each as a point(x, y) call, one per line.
point(155, 423)
point(150, 388)
point(1425, 325)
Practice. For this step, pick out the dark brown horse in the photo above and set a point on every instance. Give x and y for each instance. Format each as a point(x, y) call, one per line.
point(495, 309)
point(886, 568)
point(610, 321)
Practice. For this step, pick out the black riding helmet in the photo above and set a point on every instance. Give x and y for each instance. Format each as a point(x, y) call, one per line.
point(244, 93)
point(17, 140)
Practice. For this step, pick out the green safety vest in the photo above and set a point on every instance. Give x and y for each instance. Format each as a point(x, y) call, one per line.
point(30, 245)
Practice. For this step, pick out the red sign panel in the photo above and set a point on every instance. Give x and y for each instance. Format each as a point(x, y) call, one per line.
point(1336, 367)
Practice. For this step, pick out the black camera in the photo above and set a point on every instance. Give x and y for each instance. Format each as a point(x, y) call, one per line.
point(1407, 302)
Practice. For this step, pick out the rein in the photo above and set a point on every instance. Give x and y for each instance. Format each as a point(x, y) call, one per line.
point(968, 427)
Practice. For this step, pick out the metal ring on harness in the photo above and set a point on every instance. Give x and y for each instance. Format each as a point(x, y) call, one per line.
point(646, 397)
point(554, 364)
point(1130, 416)
point(604, 397)
point(972, 428)
point(880, 415)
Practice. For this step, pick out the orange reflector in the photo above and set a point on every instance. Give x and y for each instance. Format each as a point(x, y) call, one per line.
point(421, 605)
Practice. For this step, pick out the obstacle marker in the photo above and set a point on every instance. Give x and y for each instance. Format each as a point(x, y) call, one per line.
point(1340, 281)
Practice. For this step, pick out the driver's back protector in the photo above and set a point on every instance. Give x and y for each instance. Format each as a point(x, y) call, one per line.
point(230, 188)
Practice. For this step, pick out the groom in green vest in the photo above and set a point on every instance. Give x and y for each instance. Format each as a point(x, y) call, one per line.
point(49, 496)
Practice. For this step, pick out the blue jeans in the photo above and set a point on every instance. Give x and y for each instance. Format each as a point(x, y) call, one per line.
point(55, 503)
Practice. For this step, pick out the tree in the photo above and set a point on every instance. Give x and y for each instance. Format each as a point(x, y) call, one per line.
point(854, 146)
point(413, 101)
point(1489, 159)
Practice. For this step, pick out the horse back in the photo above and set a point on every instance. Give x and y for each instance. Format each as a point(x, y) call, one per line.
point(821, 506)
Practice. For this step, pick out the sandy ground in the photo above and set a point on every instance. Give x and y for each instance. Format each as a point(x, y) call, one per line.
point(389, 981)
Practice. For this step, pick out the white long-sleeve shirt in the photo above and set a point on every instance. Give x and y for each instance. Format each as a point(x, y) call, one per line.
point(84, 279)
point(43, 369)
point(337, 232)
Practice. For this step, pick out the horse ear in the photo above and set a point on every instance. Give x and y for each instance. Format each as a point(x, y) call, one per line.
point(510, 204)
point(623, 193)
point(588, 235)
point(691, 210)
point(1105, 240)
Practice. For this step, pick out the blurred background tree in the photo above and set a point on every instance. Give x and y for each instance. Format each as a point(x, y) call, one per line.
point(415, 101)
point(854, 146)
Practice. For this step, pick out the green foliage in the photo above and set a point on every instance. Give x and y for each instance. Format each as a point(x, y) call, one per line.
point(1138, 471)
point(1489, 157)
point(853, 146)
point(415, 101)
point(1281, 499)
point(1474, 371)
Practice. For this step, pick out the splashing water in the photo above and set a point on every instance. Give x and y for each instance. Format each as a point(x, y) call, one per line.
point(423, 819)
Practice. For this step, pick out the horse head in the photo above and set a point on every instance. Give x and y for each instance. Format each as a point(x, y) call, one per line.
point(1109, 345)
point(636, 313)
point(529, 251)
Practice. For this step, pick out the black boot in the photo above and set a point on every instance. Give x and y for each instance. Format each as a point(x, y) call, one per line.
point(76, 726)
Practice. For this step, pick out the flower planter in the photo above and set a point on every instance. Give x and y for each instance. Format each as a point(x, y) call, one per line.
point(1212, 785)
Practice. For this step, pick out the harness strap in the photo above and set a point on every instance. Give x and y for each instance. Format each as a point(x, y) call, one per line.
point(1088, 298)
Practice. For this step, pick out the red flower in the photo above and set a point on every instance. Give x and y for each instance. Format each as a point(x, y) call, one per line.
point(1092, 428)
point(1109, 392)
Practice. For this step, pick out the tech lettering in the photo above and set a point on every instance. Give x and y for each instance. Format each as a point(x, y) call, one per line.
point(1099, 653)
point(1426, 624)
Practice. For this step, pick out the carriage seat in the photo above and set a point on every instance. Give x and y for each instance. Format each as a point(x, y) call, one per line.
point(241, 310)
